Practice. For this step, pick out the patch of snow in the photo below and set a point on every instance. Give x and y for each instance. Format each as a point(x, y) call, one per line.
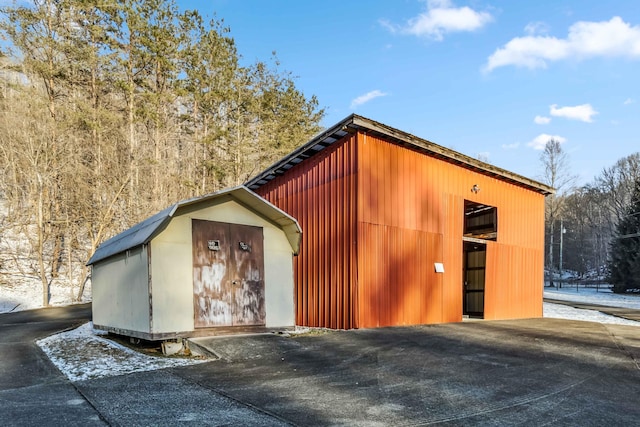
point(22, 296)
point(560, 311)
point(82, 354)
point(27, 295)
point(20, 285)
point(602, 296)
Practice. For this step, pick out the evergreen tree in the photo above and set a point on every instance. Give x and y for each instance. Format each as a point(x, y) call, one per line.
point(113, 109)
point(624, 263)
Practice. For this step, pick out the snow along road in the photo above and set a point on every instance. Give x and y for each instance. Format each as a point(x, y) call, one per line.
point(101, 357)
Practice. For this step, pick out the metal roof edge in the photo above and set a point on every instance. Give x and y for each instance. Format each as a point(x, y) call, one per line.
point(286, 222)
point(133, 236)
point(258, 204)
point(360, 123)
point(315, 140)
point(451, 155)
point(144, 231)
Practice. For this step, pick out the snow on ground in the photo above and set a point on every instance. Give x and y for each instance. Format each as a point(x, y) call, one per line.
point(27, 295)
point(559, 311)
point(602, 296)
point(84, 353)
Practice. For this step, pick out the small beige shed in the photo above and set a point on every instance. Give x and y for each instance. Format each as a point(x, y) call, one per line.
point(218, 263)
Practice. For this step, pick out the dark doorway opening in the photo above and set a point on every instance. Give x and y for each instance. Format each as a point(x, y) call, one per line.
point(474, 266)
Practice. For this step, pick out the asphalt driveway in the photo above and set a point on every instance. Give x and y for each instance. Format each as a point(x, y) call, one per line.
point(33, 392)
point(525, 372)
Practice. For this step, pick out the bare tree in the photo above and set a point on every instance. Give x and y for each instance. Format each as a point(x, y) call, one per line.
point(557, 174)
point(592, 213)
point(30, 180)
point(617, 184)
point(587, 240)
point(120, 108)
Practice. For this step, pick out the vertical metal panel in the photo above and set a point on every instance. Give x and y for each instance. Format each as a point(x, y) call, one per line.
point(398, 284)
point(120, 286)
point(320, 194)
point(377, 216)
point(514, 282)
point(397, 183)
point(453, 251)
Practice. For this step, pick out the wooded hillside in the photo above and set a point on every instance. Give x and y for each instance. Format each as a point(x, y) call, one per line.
point(113, 110)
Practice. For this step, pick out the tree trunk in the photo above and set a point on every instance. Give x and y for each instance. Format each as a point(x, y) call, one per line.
point(550, 262)
point(46, 291)
point(83, 278)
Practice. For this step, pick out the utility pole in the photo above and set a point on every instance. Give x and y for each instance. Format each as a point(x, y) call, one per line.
point(562, 231)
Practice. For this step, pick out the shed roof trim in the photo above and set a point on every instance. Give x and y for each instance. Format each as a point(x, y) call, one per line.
point(143, 232)
point(355, 123)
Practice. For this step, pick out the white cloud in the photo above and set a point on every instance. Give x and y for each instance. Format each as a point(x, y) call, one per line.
point(441, 17)
point(388, 26)
point(534, 28)
point(613, 38)
point(540, 141)
point(629, 101)
point(363, 99)
point(541, 120)
point(583, 112)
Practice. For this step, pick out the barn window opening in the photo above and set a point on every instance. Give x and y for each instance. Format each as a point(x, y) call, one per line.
point(480, 221)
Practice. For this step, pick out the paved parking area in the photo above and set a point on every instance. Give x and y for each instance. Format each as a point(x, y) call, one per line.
point(524, 372)
point(529, 372)
point(34, 393)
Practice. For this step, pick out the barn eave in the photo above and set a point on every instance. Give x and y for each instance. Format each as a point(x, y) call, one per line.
point(355, 123)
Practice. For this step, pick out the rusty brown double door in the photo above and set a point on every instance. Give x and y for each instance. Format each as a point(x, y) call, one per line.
point(228, 274)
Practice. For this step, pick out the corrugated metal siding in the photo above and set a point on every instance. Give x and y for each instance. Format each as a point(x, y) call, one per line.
point(397, 286)
point(514, 282)
point(452, 256)
point(404, 194)
point(377, 216)
point(320, 194)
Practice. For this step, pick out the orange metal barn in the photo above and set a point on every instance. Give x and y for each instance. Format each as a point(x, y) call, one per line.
point(399, 231)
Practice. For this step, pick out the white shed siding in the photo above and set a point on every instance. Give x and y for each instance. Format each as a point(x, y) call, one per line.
point(171, 281)
point(172, 269)
point(278, 275)
point(120, 283)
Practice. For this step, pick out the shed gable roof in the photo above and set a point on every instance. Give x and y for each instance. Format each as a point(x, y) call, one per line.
point(145, 231)
point(355, 123)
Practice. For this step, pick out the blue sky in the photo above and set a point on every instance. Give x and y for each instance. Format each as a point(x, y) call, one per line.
point(492, 79)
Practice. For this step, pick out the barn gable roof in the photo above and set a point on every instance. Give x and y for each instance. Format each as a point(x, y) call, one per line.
point(355, 123)
point(145, 231)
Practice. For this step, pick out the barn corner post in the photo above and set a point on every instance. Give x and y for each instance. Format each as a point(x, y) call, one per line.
point(150, 285)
